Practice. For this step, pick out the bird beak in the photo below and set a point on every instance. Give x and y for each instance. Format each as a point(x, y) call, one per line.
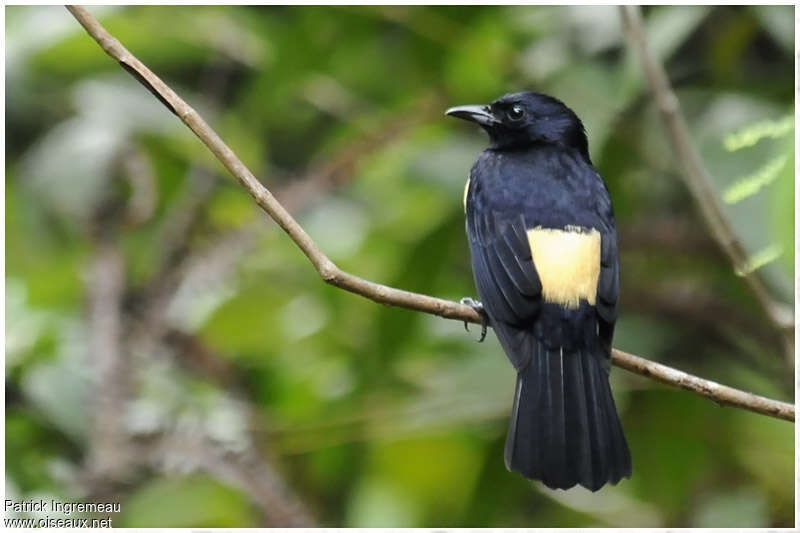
point(480, 114)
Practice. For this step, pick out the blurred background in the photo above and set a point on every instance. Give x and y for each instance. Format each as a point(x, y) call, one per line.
point(169, 348)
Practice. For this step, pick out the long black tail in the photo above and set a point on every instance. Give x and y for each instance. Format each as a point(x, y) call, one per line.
point(564, 428)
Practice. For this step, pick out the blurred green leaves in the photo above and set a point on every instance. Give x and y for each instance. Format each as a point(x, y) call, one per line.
point(779, 167)
point(752, 133)
point(194, 501)
point(420, 479)
point(750, 185)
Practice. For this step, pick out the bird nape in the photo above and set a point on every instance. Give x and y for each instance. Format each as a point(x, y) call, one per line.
point(544, 255)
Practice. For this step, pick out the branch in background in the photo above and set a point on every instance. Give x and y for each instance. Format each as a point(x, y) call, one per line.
point(198, 186)
point(692, 304)
point(247, 468)
point(108, 460)
point(698, 180)
point(184, 217)
point(666, 234)
point(177, 230)
point(194, 356)
point(185, 446)
point(331, 274)
point(323, 177)
point(697, 307)
point(214, 262)
point(725, 325)
point(185, 270)
point(115, 451)
point(188, 449)
point(139, 174)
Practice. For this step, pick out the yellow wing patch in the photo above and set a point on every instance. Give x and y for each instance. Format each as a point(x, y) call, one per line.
point(568, 263)
point(466, 192)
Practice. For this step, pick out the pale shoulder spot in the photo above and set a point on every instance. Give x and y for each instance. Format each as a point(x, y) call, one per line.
point(568, 263)
point(466, 192)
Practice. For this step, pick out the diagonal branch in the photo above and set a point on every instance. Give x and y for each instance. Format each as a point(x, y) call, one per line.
point(333, 275)
point(698, 180)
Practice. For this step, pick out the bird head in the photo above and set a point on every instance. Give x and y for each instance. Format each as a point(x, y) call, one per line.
point(520, 120)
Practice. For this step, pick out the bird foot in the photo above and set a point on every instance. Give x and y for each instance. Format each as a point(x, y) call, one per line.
point(478, 307)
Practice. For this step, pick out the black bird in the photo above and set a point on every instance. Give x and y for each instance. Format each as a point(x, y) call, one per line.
point(544, 256)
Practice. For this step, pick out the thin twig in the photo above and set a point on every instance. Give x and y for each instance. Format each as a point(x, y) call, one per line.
point(721, 394)
point(331, 274)
point(698, 180)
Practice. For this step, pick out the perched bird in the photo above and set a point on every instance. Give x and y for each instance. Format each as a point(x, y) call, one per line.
point(544, 256)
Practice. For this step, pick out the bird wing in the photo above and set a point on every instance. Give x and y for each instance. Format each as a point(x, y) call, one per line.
point(504, 271)
point(608, 285)
point(608, 279)
point(505, 275)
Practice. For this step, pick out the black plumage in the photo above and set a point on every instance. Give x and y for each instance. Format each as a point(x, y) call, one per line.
point(544, 256)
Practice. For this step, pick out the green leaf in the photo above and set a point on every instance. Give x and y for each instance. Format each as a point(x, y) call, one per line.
point(750, 185)
point(762, 257)
point(752, 133)
point(194, 501)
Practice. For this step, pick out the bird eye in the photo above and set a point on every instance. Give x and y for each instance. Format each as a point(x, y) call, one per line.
point(515, 113)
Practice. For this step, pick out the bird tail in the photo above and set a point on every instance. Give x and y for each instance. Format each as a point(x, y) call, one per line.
point(564, 427)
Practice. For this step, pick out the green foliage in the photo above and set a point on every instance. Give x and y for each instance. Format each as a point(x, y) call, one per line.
point(761, 258)
point(778, 167)
point(379, 416)
point(751, 134)
point(193, 501)
point(750, 185)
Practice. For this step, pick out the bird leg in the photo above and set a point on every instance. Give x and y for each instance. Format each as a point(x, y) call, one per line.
point(478, 307)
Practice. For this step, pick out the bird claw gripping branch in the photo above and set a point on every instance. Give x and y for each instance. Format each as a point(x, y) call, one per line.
point(478, 307)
